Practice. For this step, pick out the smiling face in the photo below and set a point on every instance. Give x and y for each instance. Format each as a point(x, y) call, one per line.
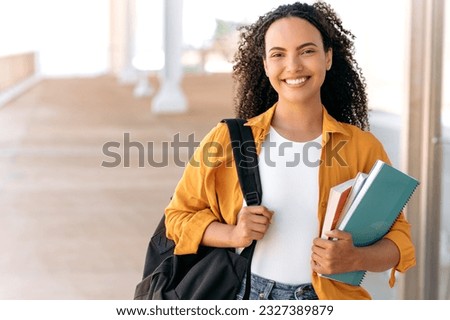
point(295, 61)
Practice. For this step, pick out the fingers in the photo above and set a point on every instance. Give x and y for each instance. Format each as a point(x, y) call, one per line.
point(257, 210)
point(256, 215)
point(335, 235)
point(338, 235)
point(322, 261)
point(332, 256)
point(253, 223)
point(315, 266)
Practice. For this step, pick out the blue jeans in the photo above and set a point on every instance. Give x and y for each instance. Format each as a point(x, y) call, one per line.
point(265, 289)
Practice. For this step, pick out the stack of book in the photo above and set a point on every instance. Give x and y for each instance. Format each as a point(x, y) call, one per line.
point(367, 207)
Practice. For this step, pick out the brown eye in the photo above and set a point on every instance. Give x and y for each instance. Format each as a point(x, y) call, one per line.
point(308, 51)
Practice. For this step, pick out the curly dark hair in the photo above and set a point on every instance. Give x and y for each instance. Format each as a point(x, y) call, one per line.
point(343, 92)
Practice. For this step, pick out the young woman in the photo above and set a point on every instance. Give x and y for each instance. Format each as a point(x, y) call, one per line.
point(304, 97)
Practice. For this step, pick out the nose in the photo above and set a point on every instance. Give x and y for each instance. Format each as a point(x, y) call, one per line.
point(294, 64)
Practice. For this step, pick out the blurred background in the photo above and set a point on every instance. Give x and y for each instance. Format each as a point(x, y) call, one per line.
point(93, 92)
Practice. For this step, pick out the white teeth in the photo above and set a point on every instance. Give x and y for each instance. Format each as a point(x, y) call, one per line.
point(295, 81)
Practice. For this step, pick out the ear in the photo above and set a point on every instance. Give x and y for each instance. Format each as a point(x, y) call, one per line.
point(329, 58)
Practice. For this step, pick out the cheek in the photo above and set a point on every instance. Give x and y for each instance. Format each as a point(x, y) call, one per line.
point(320, 68)
point(272, 69)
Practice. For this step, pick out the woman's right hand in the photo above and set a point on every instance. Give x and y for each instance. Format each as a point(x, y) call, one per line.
point(252, 224)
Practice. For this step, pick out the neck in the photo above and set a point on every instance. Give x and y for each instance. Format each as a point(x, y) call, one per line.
point(298, 123)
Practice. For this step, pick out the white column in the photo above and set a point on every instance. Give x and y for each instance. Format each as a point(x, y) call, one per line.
point(128, 73)
point(170, 98)
point(423, 146)
point(143, 86)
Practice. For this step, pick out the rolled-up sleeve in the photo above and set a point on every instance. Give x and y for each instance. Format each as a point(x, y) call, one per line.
point(189, 212)
point(400, 234)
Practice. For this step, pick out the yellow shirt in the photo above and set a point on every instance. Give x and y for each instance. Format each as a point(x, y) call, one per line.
point(209, 190)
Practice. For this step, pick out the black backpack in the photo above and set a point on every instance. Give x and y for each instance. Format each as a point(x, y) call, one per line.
point(244, 151)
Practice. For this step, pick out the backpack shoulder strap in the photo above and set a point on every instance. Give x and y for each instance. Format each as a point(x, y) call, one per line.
point(246, 160)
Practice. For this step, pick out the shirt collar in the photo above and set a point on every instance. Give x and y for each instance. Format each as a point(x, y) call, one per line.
point(329, 125)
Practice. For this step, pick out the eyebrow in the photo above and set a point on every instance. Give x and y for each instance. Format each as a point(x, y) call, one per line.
point(298, 48)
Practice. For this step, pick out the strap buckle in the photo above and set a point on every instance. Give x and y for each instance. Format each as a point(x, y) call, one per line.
point(252, 198)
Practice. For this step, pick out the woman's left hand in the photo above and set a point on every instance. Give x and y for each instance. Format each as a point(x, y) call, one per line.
point(334, 256)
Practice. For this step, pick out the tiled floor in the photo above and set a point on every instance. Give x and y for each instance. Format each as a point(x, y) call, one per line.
point(72, 229)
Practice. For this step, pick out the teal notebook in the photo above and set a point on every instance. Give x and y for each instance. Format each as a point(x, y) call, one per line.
point(379, 202)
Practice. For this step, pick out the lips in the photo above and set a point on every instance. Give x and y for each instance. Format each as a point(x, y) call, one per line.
point(296, 81)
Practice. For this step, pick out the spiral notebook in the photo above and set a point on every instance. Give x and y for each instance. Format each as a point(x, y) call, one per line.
point(384, 194)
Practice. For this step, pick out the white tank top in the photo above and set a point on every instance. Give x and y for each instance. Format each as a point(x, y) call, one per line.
point(289, 177)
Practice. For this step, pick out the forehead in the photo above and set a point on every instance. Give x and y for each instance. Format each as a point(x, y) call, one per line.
point(292, 30)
